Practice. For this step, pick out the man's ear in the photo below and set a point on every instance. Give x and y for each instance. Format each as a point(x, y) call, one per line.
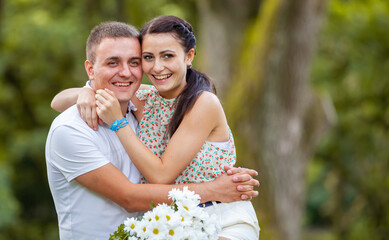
point(89, 70)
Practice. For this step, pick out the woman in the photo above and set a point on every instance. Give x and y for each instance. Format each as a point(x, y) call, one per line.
point(183, 130)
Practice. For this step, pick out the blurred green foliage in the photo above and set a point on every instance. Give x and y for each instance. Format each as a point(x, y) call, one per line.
point(42, 51)
point(350, 185)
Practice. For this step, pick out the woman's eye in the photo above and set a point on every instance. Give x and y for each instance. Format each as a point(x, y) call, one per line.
point(147, 57)
point(167, 56)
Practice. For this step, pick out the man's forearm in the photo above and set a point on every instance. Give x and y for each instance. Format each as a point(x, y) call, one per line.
point(225, 189)
point(158, 193)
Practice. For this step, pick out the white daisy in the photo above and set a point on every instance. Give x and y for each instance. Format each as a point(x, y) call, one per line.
point(157, 230)
point(129, 225)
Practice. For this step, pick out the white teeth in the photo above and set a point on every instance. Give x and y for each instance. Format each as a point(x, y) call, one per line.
point(161, 77)
point(126, 84)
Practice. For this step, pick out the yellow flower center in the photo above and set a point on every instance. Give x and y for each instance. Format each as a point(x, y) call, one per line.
point(157, 218)
point(171, 232)
point(132, 226)
point(156, 231)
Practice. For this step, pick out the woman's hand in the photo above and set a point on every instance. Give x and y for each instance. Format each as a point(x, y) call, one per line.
point(108, 107)
point(86, 105)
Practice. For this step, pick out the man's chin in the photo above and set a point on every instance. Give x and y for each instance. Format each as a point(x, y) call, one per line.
point(123, 99)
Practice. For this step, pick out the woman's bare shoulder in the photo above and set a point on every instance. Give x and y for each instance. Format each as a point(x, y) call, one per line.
point(209, 100)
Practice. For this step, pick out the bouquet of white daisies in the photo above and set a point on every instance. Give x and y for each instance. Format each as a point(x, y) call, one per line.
point(183, 219)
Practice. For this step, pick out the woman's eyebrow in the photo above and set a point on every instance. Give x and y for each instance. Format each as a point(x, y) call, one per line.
point(165, 51)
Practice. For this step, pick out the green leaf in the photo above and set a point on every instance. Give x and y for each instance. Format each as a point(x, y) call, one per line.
point(119, 234)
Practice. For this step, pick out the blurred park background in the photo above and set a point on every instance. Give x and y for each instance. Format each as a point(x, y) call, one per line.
point(304, 84)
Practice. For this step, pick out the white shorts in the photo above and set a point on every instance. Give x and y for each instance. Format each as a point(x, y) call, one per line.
point(237, 220)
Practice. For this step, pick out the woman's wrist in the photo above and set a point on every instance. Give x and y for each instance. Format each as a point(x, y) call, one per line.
point(116, 125)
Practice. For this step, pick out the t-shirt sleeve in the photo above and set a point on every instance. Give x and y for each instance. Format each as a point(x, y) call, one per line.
point(73, 152)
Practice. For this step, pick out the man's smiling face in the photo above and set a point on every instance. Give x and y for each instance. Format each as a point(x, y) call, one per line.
point(117, 67)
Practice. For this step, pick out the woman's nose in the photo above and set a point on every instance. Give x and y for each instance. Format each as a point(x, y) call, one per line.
point(158, 66)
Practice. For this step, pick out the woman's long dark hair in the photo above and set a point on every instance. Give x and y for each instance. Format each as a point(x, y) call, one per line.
point(197, 82)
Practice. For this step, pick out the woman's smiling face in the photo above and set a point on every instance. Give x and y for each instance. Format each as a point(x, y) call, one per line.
point(164, 62)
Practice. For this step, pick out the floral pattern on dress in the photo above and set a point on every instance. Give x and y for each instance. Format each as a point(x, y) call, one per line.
point(208, 163)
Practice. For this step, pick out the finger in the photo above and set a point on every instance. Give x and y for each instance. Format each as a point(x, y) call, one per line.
point(110, 92)
point(227, 167)
point(231, 170)
point(244, 188)
point(109, 95)
point(249, 195)
point(106, 98)
point(88, 117)
point(252, 182)
point(99, 106)
point(82, 113)
point(252, 172)
point(101, 99)
point(94, 119)
point(104, 93)
point(237, 178)
point(78, 108)
point(245, 197)
point(100, 94)
point(98, 110)
point(235, 170)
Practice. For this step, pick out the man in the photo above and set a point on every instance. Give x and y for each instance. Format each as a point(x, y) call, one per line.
point(93, 182)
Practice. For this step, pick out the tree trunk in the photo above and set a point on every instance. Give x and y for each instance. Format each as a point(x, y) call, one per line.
point(282, 119)
point(221, 30)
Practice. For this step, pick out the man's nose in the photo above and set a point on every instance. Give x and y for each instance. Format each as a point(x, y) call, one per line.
point(125, 71)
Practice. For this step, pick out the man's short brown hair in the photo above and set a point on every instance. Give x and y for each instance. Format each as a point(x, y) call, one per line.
point(107, 30)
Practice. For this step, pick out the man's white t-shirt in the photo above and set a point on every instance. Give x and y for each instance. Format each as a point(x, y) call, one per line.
point(72, 149)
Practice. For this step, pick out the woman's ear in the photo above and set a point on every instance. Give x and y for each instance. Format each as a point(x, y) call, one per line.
point(189, 57)
point(89, 70)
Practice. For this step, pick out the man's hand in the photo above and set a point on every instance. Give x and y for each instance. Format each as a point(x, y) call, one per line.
point(243, 176)
point(86, 105)
point(233, 170)
point(235, 187)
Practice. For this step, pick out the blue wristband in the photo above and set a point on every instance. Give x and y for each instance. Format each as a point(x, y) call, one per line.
point(118, 124)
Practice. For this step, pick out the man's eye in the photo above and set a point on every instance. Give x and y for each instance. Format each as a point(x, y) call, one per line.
point(134, 63)
point(112, 63)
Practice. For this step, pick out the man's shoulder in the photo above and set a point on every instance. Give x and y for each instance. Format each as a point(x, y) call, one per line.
point(69, 118)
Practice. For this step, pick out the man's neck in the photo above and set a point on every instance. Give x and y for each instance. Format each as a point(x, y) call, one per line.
point(124, 107)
